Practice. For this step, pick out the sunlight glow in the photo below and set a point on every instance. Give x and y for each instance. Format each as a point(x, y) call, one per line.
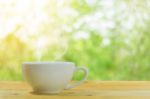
point(26, 13)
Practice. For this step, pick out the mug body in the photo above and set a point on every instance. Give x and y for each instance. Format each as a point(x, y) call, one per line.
point(48, 77)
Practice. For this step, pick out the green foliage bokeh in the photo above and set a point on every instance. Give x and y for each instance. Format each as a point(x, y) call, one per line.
point(112, 40)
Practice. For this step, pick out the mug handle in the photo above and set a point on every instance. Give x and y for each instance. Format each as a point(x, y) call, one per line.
point(86, 72)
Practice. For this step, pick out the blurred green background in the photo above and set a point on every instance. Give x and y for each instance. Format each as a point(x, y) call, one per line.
point(110, 37)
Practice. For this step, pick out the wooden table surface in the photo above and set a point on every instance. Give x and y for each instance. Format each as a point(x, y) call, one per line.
point(88, 90)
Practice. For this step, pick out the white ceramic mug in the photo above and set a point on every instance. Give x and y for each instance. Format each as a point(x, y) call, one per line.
point(51, 77)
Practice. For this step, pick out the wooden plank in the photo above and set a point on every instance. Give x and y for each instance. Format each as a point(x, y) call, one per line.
point(80, 97)
point(89, 90)
point(87, 85)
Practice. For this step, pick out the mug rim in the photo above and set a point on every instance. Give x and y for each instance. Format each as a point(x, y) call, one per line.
point(47, 62)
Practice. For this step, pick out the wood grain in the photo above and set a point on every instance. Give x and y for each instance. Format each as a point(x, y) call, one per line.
point(89, 90)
